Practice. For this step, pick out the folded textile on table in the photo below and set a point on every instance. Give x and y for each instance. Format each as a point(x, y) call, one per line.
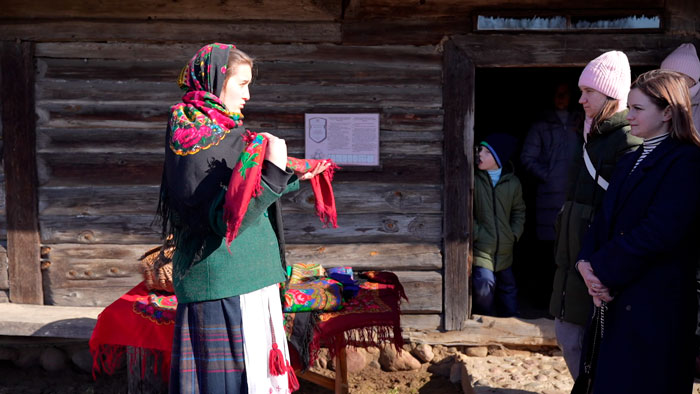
point(141, 318)
point(340, 271)
point(301, 272)
point(323, 294)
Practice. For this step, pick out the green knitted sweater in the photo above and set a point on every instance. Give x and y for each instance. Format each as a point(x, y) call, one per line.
point(211, 272)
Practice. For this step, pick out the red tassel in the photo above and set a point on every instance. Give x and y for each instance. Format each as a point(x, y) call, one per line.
point(276, 361)
point(293, 382)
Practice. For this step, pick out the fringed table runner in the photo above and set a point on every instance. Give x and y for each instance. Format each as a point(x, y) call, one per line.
point(371, 318)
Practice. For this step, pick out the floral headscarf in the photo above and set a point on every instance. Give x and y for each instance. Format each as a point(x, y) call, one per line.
point(200, 148)
point(201, 119)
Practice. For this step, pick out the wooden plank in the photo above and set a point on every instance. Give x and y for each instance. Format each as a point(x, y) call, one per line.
point(482, 330)
point(683, 17)
point(316, 378)
point(120, 260)
point(64, 169)
point(240, 32)
point(103, 169)
point(368, 257)
point(341, 367)
point(423, 289)
point(397, 9)
point(151, 141)
point(391, 31)
point(299, 228)
point(128, 94)
point(94, 295)
point(411, 56)
point(4, 277)
point(100, 140)
point(370, 198)
point(92, 275)
point(458, 182)
point(390, 118)
point(84, 96)
point(58, 114)
point(350, 198)
point(564, 50)
point(391, 144)
point(432, 322)
point(106, 229)
point(279, 72)
point(356, 228)
point(96, 275)
point(64, 253)
point(241, 10)
point(18, 125)
point(47, 321)
point(110, 69)
point(70, 272)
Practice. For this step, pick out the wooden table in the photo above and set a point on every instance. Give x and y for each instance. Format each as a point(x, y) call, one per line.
point(339, 385)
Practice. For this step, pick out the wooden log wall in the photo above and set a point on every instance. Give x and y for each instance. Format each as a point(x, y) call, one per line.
point(101, 117)
point(105, 78)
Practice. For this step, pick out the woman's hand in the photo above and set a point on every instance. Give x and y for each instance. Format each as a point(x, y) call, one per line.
point(320, 167)
point(276, 151)
point(595, 287)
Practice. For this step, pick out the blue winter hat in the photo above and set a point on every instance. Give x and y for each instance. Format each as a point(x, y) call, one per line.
point(502, 146)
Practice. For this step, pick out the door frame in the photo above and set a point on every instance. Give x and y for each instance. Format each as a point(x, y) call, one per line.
point(462, 55)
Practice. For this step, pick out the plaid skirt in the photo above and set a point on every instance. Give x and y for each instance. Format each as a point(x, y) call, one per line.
point(208, 354)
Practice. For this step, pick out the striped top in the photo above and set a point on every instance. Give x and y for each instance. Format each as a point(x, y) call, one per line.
point(648, 145)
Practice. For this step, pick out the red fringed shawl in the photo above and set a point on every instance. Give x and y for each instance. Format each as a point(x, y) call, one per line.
point(245, 184)
point(142, 319)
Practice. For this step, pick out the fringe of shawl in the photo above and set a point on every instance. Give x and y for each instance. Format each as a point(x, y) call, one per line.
point(360, 337)
point(108, 359)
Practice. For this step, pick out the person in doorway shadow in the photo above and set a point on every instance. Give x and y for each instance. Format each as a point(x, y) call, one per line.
point(547, 154)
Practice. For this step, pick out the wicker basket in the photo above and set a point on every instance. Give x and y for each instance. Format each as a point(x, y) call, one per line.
point(157, 267)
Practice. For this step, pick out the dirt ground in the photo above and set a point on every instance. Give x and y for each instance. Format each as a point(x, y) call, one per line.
point(373, 381)
point(35, 380)
point(488, 380)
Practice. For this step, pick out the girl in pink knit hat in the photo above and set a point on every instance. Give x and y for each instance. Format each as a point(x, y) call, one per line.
point(604, 84)
point(684, 60)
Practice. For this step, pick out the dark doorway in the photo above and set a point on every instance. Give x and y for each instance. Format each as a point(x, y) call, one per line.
point(510, 100)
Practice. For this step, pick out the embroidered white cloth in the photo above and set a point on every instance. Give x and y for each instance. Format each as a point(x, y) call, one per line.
point(257, 308)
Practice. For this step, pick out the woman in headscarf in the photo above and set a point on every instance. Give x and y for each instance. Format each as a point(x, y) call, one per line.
point(229, 335)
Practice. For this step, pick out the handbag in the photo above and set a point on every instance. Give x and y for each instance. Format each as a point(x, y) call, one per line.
point(584, 381)
point(157, 266)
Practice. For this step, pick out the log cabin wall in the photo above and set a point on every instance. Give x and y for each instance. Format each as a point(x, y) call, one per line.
point(105, 77)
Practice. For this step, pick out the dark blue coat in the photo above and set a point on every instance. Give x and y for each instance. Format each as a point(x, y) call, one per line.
point(643, 245)
point(548, 152)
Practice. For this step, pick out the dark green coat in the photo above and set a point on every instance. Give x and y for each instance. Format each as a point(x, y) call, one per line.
point(499, 219)
point(570, 300)
point(212, 273)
